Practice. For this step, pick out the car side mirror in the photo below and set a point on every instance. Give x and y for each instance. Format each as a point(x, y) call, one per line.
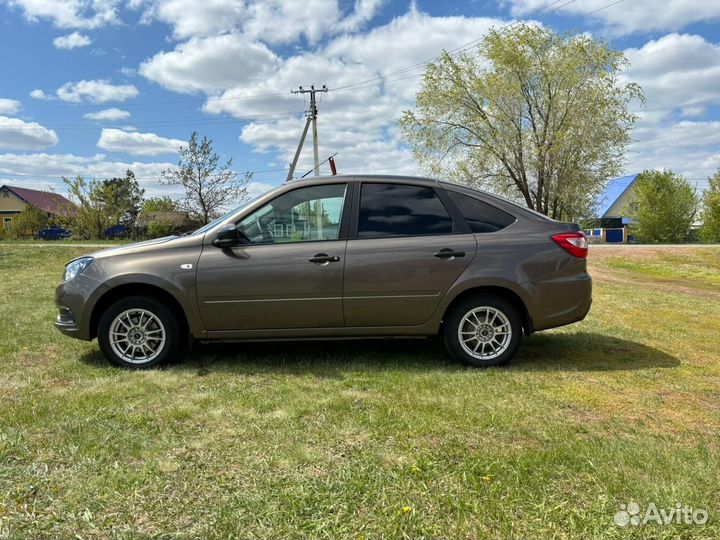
point(228, 236)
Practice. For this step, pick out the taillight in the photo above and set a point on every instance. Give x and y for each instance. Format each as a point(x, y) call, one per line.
point(575, 243)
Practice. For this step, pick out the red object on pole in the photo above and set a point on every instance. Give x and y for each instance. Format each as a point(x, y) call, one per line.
point(332, 166)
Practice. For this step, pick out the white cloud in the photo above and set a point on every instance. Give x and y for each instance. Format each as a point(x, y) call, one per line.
point(138, 144)
point(72, 41)
point(642, 16)
point(677, 70)
point(210, 64)
point(357, 122)
point(110, 114)
point(679, 74)
point(70, 13)
point(39, 94)
point(20, 135)
point(45, 171)
point(271, 21)
point(9, 106)
point(96, 91)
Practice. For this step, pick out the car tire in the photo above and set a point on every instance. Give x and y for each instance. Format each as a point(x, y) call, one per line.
point(483, 331)
point(139, 333)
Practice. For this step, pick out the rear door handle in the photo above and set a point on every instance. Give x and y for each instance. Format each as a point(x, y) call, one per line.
point(323, 258)
point(448, 253)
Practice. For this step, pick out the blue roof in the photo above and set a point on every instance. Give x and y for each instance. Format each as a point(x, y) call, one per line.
point(613, 191)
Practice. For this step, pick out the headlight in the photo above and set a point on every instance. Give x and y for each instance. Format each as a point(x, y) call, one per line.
point(73, 268)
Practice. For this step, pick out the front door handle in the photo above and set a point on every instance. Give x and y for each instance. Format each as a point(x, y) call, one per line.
point(449, 254)
point(323, 259)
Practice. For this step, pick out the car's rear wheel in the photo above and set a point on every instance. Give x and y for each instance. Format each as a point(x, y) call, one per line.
point(483, 330)
point(138, 333)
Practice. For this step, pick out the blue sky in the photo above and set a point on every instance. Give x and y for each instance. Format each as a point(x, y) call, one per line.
point(93, 87)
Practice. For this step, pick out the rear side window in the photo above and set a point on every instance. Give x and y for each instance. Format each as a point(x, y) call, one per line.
point(401, 210)
point(481, 216)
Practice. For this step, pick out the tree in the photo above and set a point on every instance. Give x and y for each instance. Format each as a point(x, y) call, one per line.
point(125, 195)
point(529, 114)
point(159, 204)
point(209, 187)
point(666, 205)
point(30, 221)
point(710, 230)
point(96, 207)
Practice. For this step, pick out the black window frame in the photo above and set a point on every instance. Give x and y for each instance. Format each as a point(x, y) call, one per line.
point(459, 224)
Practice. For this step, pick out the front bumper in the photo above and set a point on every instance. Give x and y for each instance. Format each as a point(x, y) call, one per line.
point(73, 299)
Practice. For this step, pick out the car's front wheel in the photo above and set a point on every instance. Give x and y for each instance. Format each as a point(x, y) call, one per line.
point(483, 330)
point(138, 332)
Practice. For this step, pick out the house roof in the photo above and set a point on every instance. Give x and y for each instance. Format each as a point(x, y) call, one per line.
point(613, 191)
point(54, 203)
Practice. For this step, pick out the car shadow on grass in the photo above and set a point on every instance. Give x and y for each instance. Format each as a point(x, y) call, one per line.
point(582, 351)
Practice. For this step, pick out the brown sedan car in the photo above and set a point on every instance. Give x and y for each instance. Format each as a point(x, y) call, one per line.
point(350, 257)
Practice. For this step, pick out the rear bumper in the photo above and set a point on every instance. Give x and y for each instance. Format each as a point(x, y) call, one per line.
point(561, 301)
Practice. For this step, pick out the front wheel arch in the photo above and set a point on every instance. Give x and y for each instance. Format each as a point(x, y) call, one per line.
point(136, 289)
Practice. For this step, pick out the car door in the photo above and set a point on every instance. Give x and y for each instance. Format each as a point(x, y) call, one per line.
point(290, 273)
point(404, 253)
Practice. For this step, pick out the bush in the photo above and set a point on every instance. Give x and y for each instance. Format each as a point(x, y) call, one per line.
point(666, 207)
point(162, 227)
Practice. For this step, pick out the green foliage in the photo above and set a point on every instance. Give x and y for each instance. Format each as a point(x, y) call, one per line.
point(159, 204)
point(162, 227)
point(30, 221)
point(124, 194)
point(710, 230)
point(102, 204)
point(528, 114)
point(666, 207)
point(209, 186)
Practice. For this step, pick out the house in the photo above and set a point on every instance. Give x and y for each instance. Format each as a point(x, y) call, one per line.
point(615, 206)
point(14, 200)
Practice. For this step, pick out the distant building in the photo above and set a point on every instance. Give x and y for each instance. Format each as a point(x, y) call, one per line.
point(615, 204)
point(14, 200)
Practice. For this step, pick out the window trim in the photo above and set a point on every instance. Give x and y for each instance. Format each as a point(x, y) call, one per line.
point(344, 220)
point(459, 225)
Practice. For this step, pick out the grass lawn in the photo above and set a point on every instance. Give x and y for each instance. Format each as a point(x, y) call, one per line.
point(365, 440)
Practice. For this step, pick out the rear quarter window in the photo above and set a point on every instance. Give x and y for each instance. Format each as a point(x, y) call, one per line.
point(480, 216)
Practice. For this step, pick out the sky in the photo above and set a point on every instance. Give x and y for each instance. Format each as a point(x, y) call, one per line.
point(94, 87)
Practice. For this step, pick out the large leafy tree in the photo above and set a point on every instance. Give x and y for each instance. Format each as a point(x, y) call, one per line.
point(529, 114)
point(209, 187)
point(710, 230)
point(666, 204)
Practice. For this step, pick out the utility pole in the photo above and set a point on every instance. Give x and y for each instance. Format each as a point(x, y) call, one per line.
point(311, 117)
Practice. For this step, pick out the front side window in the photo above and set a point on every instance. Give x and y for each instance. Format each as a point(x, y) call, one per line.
point(7, 222)
point(303, 215)
point(388, 210)
point(481, 216)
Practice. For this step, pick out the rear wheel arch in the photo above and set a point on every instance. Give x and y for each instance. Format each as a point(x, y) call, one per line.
point(137, 289)
point(494, 290)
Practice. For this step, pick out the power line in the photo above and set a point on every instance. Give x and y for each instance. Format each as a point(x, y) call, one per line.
point(152, 123)
point(164, 102)
point(156, 177)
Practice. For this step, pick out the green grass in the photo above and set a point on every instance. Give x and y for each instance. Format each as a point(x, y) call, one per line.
point(359, 440)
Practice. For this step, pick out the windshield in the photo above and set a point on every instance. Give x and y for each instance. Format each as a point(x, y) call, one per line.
point(205, 228)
